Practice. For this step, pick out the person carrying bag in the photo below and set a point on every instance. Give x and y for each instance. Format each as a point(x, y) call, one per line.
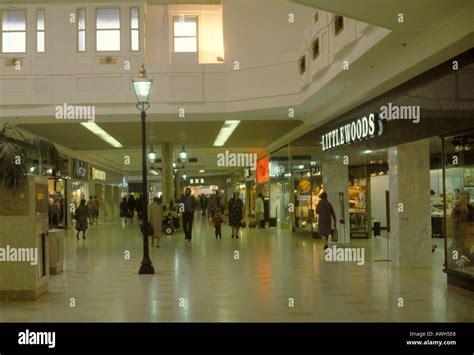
point(325, 213)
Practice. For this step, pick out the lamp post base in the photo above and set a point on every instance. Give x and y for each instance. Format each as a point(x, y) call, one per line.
point(146, 268)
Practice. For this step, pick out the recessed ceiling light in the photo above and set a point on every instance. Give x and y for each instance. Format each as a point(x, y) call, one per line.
point(94, 128)
point(226, 131)
point(202, 171)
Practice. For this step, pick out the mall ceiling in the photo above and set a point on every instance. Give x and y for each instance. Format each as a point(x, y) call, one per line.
point(419, 15)
point(194, 134)
point(433, 31)
point(153, 2)
point(381, 69)
point(198, 138)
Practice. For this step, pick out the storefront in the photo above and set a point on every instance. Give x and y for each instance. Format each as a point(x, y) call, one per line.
point(457, 207)
point(279, 198)
point(263, 184)
point(395, 158)
point(308, 185)
point(251, 192)
point(79, 185)
point(57, 193)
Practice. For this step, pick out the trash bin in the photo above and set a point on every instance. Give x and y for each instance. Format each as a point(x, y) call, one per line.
point(376, 228)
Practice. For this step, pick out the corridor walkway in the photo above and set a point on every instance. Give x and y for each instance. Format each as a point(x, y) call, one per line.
point(203, 281)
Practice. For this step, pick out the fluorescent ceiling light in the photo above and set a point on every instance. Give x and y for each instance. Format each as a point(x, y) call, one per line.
point(94, 128)
point(226, 131)
point(202, 171)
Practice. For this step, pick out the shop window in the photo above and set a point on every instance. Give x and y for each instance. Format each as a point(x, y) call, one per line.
point(458, 201)
point(13, 31)
point(315, 48)
point(108, 30)
point(338, 24)
point(307, 188)
point(81, 30)
point(302, 64)
point(358, 202)
point(185, 34)
point(135, 29)
point(40, 31)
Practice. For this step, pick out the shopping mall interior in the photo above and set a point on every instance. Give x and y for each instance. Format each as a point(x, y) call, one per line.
point(259, 110)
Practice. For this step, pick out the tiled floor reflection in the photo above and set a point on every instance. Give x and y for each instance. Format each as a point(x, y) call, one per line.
point(202, 281)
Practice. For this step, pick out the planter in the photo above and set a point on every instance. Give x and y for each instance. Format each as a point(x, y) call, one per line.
point(24, 267)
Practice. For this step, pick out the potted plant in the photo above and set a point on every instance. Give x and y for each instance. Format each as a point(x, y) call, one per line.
point(14, 147)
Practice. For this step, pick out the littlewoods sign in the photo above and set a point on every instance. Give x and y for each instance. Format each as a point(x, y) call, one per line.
point(358, 130)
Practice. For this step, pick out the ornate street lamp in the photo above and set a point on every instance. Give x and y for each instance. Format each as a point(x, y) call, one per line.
point(142, 87)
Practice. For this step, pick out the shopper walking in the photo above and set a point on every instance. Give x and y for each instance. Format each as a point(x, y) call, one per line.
point(124, 210)
point(131, 206)
point(189, 203)
point(217, 220)
point(139, 207)
point(81, 215)
point(236, 213)
point(211, 207)
point(259, 211)
point(155, 218)
point(92, 210)
point(97, 205)
point(325, 212)
point(203, 204)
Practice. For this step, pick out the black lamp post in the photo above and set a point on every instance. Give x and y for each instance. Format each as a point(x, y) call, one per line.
point(142, 87)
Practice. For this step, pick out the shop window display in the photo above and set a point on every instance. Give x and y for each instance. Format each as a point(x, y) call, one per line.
point(279, 173)
point(307, 191)
point(358, 202)
point(458, 185)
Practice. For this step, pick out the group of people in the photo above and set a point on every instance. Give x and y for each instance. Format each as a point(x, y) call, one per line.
point(235, 212)
point(129, 206)
point(210, 204)
point(89, 212)
point(86, 213)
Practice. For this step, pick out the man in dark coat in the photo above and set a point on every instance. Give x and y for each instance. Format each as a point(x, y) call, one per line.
point(189, 204)
point(325, 212)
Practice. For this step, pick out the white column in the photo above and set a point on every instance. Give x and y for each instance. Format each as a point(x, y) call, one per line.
point(167, 182)
point(335, 182)
point(410, 207)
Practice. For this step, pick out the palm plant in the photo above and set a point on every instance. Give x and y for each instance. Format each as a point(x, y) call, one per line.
point(13, 153)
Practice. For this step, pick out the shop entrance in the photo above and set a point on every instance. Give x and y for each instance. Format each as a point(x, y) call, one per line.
point(57, 213)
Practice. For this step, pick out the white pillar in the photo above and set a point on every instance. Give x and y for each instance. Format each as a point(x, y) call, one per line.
point(410, 206)
point(335, 183)
point(167, 182)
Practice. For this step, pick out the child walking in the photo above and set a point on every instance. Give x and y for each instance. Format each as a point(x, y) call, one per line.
point(217, 220)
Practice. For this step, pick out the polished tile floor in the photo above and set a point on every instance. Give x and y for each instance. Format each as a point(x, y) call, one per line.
point(203, 281)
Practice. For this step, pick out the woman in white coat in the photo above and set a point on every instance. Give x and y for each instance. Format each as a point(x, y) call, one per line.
point(155, 218)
